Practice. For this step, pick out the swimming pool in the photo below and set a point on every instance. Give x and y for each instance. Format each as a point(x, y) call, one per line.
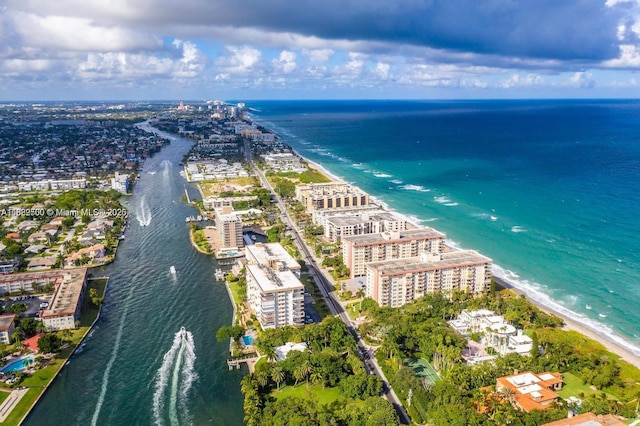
point(247, 340)
point(18, 365)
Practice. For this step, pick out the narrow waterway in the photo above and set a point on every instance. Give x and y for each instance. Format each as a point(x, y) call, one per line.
point(138, 367)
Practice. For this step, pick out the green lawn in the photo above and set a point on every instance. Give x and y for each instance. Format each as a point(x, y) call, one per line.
point(89, 310)
point(573, 386)
point(23, 407)
point(325, 396)
point(38, 380)
point(234, 287)
point(3, 396)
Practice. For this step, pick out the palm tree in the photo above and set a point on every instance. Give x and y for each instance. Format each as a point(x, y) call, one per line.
point(298, 374)
point(270, 353)
point(317, 378)
point(509, 394)
point(262, 378)
point(303, 371)
point(277, 374)
point(17, 335)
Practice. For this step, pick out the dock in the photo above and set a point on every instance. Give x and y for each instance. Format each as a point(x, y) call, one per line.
point(187, 194)
point(250, 360)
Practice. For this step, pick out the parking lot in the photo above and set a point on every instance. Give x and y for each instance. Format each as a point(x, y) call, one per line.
point(34, 304)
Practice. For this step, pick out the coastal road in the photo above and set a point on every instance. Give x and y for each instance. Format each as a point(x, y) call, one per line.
point(335, 306)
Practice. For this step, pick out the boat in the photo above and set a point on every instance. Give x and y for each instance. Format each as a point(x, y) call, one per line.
point(588, 306)
point(172, 269)
point(602, 315)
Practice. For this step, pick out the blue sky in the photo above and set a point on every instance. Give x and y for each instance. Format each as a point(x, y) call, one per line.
point(330, 49)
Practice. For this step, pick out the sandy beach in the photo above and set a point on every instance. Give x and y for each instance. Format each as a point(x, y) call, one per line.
point(570, 324)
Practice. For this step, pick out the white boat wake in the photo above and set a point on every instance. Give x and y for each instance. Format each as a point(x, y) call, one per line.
point(166, 164)
point(174, 380)
point(143, 215)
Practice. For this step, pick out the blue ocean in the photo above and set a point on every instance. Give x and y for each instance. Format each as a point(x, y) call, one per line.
point(549, 189)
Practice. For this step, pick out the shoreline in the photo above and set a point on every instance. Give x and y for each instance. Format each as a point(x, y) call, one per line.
point(571, 324)
point(607, 340)
point(64, 362)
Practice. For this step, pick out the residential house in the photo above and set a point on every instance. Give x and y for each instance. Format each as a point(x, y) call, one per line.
point(529, 391)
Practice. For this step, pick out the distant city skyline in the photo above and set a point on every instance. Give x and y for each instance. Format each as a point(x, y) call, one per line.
point(431, 49)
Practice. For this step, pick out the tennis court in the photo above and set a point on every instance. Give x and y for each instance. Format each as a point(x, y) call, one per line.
point(422, 368)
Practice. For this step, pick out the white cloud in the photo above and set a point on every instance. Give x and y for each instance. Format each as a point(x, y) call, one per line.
point(192, 62)
point(318, 56)
point(123, 66)
point(528, 80)
point(17, 67)
point(582, 80)
point(629, 58)
point(353, 67)
point(382, 70)
point(78, 34)
point(286, 62)
point(239, 60)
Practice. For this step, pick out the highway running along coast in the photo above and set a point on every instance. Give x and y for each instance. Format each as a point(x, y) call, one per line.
point(326, 287)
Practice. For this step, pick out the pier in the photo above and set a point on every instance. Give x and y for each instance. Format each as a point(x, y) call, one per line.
point(250, 360)
point(187, 194)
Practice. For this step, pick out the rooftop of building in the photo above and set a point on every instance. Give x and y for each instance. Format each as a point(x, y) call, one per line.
point(272, 280)
point(588, 419)
point(329, 188)
point(532, 390)
point(427, 263)
point(363, 218)
point(6, 321)
point(33, 276)
point(406, 235)
point(269, 253)
point(67, 293)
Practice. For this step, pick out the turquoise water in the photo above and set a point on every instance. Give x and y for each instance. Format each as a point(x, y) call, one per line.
point(247, 340)
point(18, 365)
point(548, 189)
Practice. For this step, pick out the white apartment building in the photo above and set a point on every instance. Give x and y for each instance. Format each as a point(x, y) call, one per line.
point(284, 162)
point(120, 183)
point(228, 228)
point(211, 203)
point(338, 227)
point(274, 292)
point(397, 282)
point(50, 184)
point(64, 309)
point(359, 250)
point(271, 254)
point(317, 196)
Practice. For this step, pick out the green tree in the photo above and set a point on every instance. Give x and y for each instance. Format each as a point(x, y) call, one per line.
point(29, 326)
point(277, 374)
point(49, 343)
point(229, 332)
point(303, 371)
